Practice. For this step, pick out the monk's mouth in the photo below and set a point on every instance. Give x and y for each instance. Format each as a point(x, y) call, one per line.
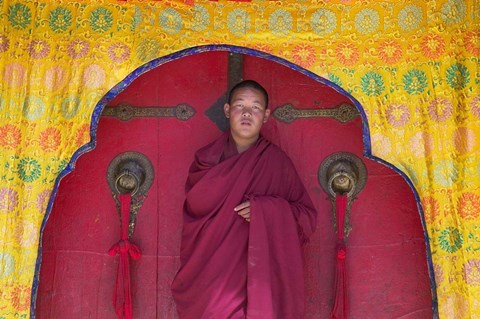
point(246, 123)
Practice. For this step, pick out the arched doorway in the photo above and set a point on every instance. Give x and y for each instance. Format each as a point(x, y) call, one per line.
point(387, 265)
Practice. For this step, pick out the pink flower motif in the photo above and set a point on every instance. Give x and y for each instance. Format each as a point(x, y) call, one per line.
point(15, 74)
point(77, 49)
point(440, 109)
point(398, 114)
point(8, 200)
point(438, 271)
point(4, 43)
point(454, 305)
point(42, 200)
point(38, 49)
point(475, 105)
point(382, 146)
point(55, 78)
point(118, 52)
point(471, 272)
point(26, 233)
point(464, 140)
point(94, 76)
point(304, 55)
point(421, 144)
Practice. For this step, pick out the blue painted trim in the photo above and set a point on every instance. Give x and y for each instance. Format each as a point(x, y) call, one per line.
point(117, 89)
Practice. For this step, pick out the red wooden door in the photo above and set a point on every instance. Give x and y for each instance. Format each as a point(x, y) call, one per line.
point(386, 261)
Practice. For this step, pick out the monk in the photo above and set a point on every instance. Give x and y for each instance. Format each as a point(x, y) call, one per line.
point(246, 217)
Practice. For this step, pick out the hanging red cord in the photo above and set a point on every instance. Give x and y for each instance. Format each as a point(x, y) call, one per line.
point(122, 300)
point(340, 307)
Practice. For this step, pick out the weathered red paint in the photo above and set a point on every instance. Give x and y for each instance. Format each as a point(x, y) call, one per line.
point(386, 263)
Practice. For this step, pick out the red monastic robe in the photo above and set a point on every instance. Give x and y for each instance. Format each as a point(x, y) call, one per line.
point(231, 268)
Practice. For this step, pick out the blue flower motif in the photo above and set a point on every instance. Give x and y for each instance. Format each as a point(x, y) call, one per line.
point(367, 21)
point(454, 11)
point(8, 264)
point(280, 22)
point(137, 18)
point(415, 82)
point(445, 173)
point(201, 18)
point(410, 17)
point(33, 108)
point(238, 21)
point(323, 22)
point(70, 106)
point(171, 21)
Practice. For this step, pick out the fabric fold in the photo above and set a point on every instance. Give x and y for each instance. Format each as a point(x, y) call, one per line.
point(215, 252)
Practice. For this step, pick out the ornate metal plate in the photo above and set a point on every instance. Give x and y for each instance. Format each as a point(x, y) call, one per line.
point(342, 113)
point(126, 111)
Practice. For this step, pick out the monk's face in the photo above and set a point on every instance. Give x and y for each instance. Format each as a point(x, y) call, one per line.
point(247, 113)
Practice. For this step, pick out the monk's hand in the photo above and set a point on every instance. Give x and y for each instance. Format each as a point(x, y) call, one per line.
point(243, 210)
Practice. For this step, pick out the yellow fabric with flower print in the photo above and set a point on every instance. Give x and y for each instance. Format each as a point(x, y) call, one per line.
point(414, 67)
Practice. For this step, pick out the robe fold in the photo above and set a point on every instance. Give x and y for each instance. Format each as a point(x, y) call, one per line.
point(231, 268)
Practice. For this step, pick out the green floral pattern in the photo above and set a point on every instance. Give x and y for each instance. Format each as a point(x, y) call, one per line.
point(29, 169)
point(415, 82)
point(238, 21)
point(410, 17)
point(323, 22)
point(19, 16)
point(450, 239)
point(101, 20)
point(201, 18)
point(280, 22)
point(458, 76)
point(148, 50)
point(171, 21)
point(367, 21)
point(454, 11)
point(60, 19)
point(372, 84)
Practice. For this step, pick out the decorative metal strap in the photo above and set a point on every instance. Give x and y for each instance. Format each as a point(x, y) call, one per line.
point(342, 113)
point(126, 112)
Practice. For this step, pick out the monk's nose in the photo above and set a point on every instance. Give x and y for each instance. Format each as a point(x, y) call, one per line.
point(247, 112)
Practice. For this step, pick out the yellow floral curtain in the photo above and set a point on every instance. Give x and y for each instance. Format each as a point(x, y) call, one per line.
point(412, 65)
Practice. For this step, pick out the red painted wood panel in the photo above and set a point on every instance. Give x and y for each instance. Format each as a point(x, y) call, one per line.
point(386, 261)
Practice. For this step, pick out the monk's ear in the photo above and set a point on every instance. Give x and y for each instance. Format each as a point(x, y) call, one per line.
point(226, 110)
point(267, 115)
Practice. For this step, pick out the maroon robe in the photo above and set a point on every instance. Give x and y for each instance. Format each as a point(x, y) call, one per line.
point(231, 268)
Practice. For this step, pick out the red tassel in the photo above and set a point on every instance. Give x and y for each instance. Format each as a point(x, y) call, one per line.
point(340, 307)
point(125, 249)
